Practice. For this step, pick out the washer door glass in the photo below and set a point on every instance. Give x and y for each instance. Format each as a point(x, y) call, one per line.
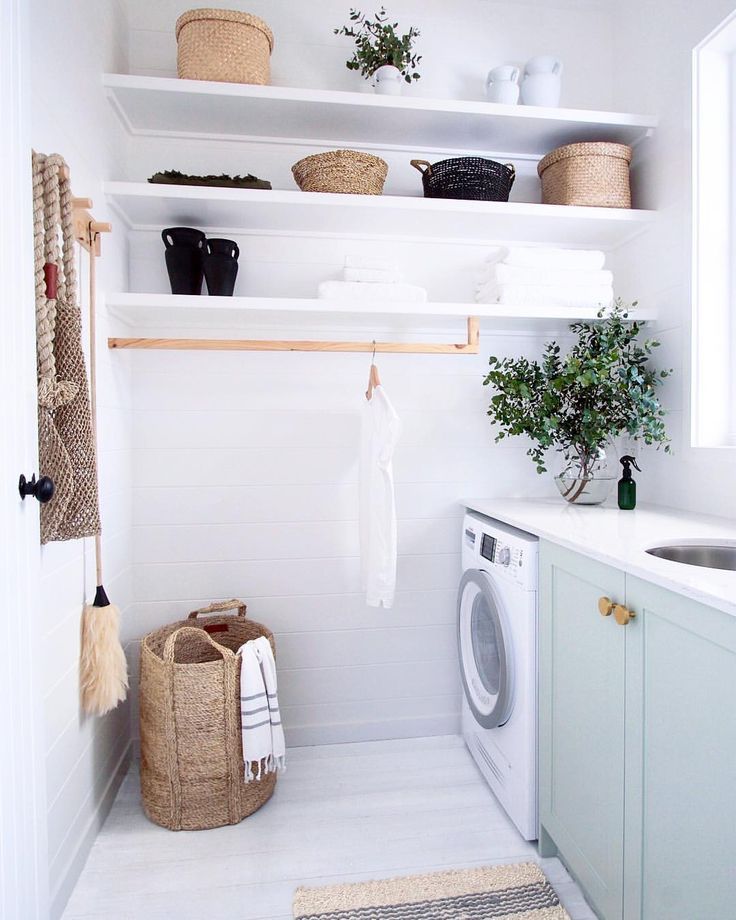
point(486, 660)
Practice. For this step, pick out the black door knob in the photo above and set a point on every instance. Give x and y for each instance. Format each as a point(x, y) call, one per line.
point(41, 489)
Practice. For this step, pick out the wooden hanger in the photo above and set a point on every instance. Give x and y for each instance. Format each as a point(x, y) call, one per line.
point(373, 379)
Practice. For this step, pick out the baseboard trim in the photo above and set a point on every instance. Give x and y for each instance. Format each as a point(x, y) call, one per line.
point(346, 732)
point(75, 864)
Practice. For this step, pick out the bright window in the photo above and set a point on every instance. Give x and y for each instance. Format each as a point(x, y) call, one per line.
point(713, 402)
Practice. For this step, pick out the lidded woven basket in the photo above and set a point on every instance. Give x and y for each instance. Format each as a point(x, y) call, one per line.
point(347, 172)
point(223, 45)
point(589, 175)
point(192, 767)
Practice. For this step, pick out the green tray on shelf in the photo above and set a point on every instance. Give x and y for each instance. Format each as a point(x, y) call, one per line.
point(173, 177)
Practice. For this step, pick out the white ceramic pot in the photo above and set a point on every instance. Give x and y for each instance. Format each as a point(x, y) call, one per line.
point(502, 85)
point(387, 80)
point(542, 81)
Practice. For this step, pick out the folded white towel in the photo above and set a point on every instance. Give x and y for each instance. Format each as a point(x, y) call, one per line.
point(372, 275)
point(264, 750)
point(500, 273)
point(546, 295)
point(371, 293)
point(384, 265)
point(546, 257)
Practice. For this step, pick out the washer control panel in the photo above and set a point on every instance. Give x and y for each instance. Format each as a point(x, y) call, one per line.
point(514, 557)
point(500, 553)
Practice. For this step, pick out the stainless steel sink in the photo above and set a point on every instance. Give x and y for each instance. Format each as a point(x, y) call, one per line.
point(707, 555)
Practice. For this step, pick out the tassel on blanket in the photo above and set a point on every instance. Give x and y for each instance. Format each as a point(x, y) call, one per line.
point(264, 749)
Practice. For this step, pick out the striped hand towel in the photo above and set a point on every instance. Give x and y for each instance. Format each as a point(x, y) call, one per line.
point(264, 750)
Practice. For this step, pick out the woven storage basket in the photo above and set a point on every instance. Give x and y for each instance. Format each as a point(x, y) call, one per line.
point(344, 171)
point(471, 178)
point(192, 769)
point(223, 45)
point(594, 175)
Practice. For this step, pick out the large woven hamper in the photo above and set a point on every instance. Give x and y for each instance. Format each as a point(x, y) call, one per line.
point(344, 171)
point(192, 769)
point(223, 45)
point(588, 175)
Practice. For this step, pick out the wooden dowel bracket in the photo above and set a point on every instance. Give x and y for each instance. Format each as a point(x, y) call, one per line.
point(87, 230)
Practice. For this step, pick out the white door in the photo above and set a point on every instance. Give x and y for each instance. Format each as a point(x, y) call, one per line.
point(23, 868)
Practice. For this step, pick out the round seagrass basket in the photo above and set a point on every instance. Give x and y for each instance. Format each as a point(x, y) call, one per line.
point(223, 45)
point(594, 175)
point(192, 769)
point(470, 178)
point(343, 171)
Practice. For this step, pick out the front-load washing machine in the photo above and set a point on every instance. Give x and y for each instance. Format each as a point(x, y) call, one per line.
point(497, 638)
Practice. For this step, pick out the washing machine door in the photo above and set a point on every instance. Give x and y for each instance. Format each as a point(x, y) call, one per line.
point(485, 647)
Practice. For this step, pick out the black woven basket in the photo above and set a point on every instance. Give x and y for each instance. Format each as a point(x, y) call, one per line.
point(473, 178)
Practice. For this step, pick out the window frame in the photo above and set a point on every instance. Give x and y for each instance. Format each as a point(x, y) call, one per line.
point(713, 310)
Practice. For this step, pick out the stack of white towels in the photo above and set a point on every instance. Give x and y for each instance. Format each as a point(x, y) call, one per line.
point(544, 277)
point(371, 280)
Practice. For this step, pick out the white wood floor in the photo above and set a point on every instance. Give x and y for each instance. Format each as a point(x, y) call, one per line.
point(340, 813)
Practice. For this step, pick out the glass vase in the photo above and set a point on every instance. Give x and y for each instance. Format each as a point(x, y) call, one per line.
point(586, 478)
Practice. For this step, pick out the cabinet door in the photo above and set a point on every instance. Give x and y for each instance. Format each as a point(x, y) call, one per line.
point(581, 732)
point(681, 759)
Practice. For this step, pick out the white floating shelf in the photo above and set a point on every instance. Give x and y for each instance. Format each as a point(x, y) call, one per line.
point(165, 106)
point(152, 207)
point(149, 311)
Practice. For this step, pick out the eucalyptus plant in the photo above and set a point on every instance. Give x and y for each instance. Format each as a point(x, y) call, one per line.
point(377, 42)
point(576, 403)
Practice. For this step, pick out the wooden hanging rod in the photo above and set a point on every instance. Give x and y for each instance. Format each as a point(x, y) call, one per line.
point(87, 230)
point(471, 347)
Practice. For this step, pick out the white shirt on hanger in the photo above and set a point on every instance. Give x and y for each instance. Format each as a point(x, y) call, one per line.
point(380, 433)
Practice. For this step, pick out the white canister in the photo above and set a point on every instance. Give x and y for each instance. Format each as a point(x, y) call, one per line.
point(502, 84)
point(542, 81)
point(387, 80)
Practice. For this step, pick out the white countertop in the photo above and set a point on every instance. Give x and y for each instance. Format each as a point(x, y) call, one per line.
point(620, 538)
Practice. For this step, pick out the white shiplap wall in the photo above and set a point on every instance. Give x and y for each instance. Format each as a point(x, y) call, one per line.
point(460, 42)
point(246, 465)
point(72, 42)
point(246, 482)
point(657, 39)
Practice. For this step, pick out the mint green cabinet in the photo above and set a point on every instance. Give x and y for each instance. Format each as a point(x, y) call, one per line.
point(581, 723)
point(680, 860)
point(637, 743)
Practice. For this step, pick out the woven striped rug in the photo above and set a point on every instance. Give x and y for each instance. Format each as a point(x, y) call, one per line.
point(509, 892)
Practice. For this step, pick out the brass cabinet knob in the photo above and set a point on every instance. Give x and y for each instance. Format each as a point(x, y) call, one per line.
point(622, 614)
point(605, 606)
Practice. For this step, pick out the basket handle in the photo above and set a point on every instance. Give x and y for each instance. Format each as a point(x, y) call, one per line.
point(170, 646)
point(219, 606)
point(417, 164)
point(512, 168)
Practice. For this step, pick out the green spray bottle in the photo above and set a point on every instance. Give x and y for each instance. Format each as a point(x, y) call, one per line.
point(627, 485)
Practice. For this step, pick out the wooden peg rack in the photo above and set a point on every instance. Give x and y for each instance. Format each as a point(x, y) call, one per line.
point(87, 230)
point(470, 347)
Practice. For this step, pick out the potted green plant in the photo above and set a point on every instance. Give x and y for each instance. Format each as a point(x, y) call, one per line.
point(381, 53)
point(577, 403)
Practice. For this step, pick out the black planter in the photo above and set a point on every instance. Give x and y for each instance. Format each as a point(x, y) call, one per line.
point(221, 266)
point(184, 259)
